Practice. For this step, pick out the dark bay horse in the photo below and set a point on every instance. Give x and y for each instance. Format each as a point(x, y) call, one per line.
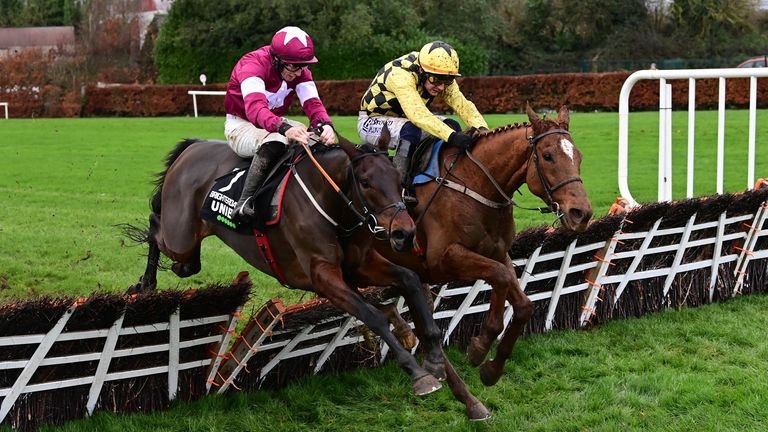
point(466, 226)
point(325, 248)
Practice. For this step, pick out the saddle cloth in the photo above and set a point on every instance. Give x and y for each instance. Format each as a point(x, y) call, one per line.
point(432, 168)
point(219, 204)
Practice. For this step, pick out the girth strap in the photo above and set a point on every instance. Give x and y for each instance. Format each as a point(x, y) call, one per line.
point(266, 252)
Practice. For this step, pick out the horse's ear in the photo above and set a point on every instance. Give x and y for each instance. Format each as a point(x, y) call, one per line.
point(532, 116)
point(383, 143)
point(349, 148)
point(564, 117)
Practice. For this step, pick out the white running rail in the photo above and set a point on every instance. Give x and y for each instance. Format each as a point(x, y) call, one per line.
point(196, 93)
point(665, 124)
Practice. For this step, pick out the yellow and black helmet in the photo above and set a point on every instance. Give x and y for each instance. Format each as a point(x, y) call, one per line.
point(439, 58)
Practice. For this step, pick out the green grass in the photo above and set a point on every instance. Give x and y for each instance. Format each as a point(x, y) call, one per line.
point(66, 183)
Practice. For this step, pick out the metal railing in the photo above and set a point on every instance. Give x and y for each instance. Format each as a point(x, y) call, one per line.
point(665, 125)
point(196, 93)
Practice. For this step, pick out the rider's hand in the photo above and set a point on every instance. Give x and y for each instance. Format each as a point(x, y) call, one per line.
point(328, 135)
point(460, 140)
point(298, 134)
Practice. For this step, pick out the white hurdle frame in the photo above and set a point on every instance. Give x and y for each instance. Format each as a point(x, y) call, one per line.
point(665, 125)
point(196, 93)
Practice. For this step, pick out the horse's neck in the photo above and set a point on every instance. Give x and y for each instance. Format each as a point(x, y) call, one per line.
point(505, 153)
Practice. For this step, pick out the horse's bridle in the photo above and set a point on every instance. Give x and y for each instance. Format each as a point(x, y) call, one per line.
point(368, 216)
point(549, 189)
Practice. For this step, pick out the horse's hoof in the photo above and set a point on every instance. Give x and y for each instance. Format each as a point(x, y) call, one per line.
point(426, 385)
point(490, 372)
point(437, 370)
point(475, 354)
point(139, 288)
point(478, 412)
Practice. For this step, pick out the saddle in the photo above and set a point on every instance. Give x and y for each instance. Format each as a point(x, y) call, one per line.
point(220, 201)
point(424, 165)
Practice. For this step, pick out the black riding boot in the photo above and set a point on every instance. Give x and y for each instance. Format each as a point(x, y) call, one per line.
point(260, 166)
point(401, 160)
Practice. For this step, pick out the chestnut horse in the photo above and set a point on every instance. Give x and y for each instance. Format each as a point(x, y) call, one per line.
point(465, 223)
point(323, 242)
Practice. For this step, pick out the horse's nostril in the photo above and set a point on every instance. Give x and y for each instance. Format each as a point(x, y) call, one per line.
point(398, 235)
point(577, 215)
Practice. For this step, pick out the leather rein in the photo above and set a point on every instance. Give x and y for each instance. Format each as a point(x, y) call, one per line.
point(366, 215)
point(553, 206)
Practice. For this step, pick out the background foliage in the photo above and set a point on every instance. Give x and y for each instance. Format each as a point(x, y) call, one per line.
point(496, 37)
point(354, 39)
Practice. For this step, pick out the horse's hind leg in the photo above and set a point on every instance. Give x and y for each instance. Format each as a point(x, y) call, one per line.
point(401, 328)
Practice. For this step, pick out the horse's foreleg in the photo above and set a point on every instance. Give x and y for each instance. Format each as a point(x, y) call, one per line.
point(460, 262)
point(378, 270)
point(475, 409)
point(328, 281)
point(522, 307)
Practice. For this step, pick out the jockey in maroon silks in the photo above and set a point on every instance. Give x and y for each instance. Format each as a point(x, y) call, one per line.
point(261, 88)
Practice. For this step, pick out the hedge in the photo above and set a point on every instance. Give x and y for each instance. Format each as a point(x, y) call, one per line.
point(491, 94)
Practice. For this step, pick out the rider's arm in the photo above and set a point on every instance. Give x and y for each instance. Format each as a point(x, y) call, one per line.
point(314, 109)
point(310, 101)
point(256, 106)
point(455, 99)
point(403, 85)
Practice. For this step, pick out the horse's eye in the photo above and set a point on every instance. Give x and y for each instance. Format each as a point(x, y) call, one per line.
point(548, 156)
point(365, 184)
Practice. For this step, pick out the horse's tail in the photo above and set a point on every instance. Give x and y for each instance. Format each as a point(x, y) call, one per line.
point(136, 234)
point(160, 177)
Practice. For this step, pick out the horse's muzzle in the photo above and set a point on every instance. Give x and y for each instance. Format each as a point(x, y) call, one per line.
point(401, 240)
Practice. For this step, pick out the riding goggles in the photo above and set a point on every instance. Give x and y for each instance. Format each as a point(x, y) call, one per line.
point(440, 79)
point(294, 67)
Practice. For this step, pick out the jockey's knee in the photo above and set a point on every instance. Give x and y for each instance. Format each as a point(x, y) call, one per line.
point(410, 132)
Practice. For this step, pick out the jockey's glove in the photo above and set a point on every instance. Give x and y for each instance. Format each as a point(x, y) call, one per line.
point(460, 140)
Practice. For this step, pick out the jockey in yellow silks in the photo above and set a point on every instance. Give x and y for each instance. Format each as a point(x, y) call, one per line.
point(400, 95)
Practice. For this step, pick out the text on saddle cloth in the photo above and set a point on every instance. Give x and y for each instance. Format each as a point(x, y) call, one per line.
point(219, 204)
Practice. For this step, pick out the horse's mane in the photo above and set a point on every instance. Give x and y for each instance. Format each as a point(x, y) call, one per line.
point(547, 123)
point(160, 176)
point(502, 129)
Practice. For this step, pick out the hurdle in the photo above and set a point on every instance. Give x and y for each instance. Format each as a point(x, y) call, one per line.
point(5, 106)
point(665, 125)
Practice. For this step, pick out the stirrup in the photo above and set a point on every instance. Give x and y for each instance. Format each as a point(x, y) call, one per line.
point(407, 198)
point(244, 211)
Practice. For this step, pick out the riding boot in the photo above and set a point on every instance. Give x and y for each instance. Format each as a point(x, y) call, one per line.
point(402, 164)
point(260, 165)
